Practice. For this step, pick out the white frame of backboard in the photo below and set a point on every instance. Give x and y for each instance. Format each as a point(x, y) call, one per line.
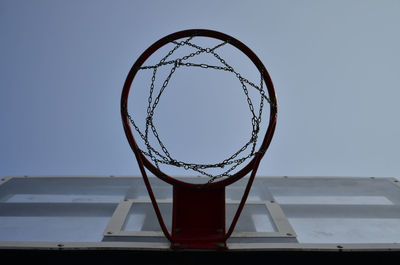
point(117, 221)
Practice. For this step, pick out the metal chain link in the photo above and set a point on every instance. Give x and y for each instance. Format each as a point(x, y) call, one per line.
point(165, 157)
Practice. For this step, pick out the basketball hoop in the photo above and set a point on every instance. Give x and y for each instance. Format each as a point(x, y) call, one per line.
point(198, 218)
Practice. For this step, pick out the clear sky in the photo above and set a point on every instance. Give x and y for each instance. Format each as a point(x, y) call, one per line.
point(335, 66)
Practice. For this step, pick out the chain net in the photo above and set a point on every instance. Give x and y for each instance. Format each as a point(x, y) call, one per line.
point(163, 156)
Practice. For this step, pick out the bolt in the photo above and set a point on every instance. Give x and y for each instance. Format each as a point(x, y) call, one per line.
point(220, 245)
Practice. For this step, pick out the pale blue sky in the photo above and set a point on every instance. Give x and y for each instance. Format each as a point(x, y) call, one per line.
point(335, 66)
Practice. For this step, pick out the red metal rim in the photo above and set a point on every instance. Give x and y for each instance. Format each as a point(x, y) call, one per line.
point(204, 33)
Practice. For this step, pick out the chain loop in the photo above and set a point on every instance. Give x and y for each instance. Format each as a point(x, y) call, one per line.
point(165, 157)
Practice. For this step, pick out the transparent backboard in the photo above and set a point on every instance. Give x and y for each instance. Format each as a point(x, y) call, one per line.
point(281, 213)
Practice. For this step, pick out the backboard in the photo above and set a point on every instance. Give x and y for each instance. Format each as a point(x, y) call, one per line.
point(289, 214)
